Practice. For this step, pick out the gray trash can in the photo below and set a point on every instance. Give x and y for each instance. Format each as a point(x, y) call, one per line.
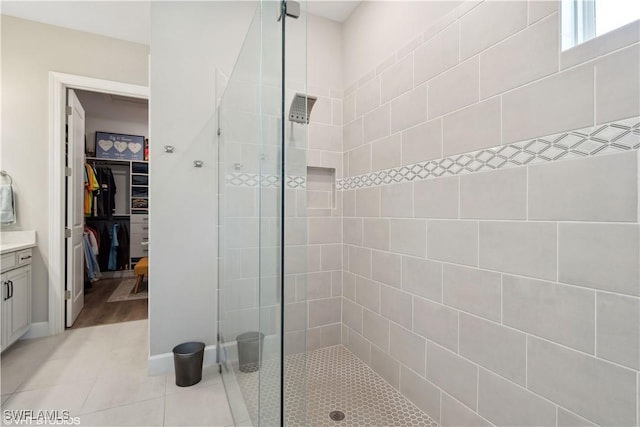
point(187, 359)
point(250, 350)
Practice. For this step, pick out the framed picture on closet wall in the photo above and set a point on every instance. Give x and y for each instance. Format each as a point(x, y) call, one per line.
point(119, 146)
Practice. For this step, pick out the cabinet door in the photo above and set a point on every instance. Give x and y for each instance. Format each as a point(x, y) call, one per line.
point(18, 315)
point(4, 292)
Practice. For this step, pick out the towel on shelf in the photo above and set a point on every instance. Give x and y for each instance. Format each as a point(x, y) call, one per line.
point(7, 205)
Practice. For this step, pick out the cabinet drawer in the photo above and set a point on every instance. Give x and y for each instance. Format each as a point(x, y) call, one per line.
point(8, 261)
point(137, 239)
point(139, 228)
point(24, 257)
point(139, 219)
point(136, 248)
point(139, 251)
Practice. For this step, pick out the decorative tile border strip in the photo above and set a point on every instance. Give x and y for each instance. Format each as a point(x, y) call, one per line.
point(265, 181)
point(619, 136)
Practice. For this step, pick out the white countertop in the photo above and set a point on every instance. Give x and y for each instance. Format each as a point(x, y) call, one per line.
point(11, 241)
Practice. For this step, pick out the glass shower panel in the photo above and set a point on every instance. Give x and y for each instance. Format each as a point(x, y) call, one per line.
point(297, 252)
point(261, 171)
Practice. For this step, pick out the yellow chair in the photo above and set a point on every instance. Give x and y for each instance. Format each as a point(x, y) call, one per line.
point(141, 269)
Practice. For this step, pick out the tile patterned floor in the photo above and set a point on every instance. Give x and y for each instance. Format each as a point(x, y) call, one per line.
point(336, 380)
point(100, 374)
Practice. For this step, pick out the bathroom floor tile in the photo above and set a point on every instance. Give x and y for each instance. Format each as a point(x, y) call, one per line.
point(335, 380)
point(146, 413)
point(68, 397)
point(206, 406)
point(114, 388)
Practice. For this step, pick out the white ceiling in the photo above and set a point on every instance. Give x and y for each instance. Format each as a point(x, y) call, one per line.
point(337, 11)
point(128, 20)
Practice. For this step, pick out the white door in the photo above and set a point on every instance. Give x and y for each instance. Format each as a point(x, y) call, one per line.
point(75, 208)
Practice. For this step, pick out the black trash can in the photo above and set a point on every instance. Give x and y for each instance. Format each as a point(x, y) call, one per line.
point(187, 359)
point(250, 350)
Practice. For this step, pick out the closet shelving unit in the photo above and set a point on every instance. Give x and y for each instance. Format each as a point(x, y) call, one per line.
point(138, 209)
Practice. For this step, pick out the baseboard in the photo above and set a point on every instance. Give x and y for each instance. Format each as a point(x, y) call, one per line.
point(162, 364)
point(37, 330)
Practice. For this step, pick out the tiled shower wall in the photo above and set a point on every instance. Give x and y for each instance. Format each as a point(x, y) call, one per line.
point(511, 296)
point(321, 288)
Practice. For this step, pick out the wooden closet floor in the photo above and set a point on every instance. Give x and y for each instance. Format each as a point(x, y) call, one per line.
point(97, 311)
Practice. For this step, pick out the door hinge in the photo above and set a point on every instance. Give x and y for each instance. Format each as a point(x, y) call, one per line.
point(69, 110)
point(67, 295)
point(67, 171)
point(219, 131)
point(67, 232)
point(291, 8)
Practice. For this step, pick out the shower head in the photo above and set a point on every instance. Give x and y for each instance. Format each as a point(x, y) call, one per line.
point(301, 106)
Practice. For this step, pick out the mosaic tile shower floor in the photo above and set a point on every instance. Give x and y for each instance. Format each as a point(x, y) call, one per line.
point(335, 380)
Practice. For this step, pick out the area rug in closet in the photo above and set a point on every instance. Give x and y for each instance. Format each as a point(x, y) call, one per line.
point(124, 292)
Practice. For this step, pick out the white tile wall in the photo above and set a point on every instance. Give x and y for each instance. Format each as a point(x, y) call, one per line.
point(601, 391)
point(455, 414)
point(463, 385)
point(602, 188)
point(506, 404)
point(528, 113)
point(395, 305)
point(508, 65)
point(618, 329)
point(473, 290)
point(422, 393)
point(494, 195)
point(563, 314)
point(601, 256)
point(617, 85)
point(498, 348)
point(453, 241)
point(436, 322)
point(454, 89)
point(386, 153)
point(525, 248)
point(481, 129)
point(398, 79)
point(409, 109)
point(368, 97)
point(408, 348)
point(386, 268)
point(497, 233)
point(376, 124)
point(376, 233)
point(422, 142)
point(422, 277)
point(438, 54)
point(490, 23)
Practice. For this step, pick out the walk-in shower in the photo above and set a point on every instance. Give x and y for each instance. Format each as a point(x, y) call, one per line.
point(274, 282)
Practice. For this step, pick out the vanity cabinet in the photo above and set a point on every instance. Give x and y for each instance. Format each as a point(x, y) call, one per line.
point(16, 296)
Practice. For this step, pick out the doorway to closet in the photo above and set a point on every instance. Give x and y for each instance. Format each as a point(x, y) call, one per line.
point(107, 208)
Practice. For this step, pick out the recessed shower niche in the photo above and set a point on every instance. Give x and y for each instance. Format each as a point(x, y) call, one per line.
point(321, 190)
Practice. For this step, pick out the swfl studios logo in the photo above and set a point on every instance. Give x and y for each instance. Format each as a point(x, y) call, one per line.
point(38, 418)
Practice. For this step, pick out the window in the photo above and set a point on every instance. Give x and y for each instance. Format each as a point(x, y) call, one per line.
point(583, 20)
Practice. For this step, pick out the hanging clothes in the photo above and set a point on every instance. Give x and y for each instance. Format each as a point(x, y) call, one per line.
point(111, 238)
point(92, 268)
point(113, 250)
point(122, 258)
point(94, 238)
point(91, 185)
point(106, 203)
